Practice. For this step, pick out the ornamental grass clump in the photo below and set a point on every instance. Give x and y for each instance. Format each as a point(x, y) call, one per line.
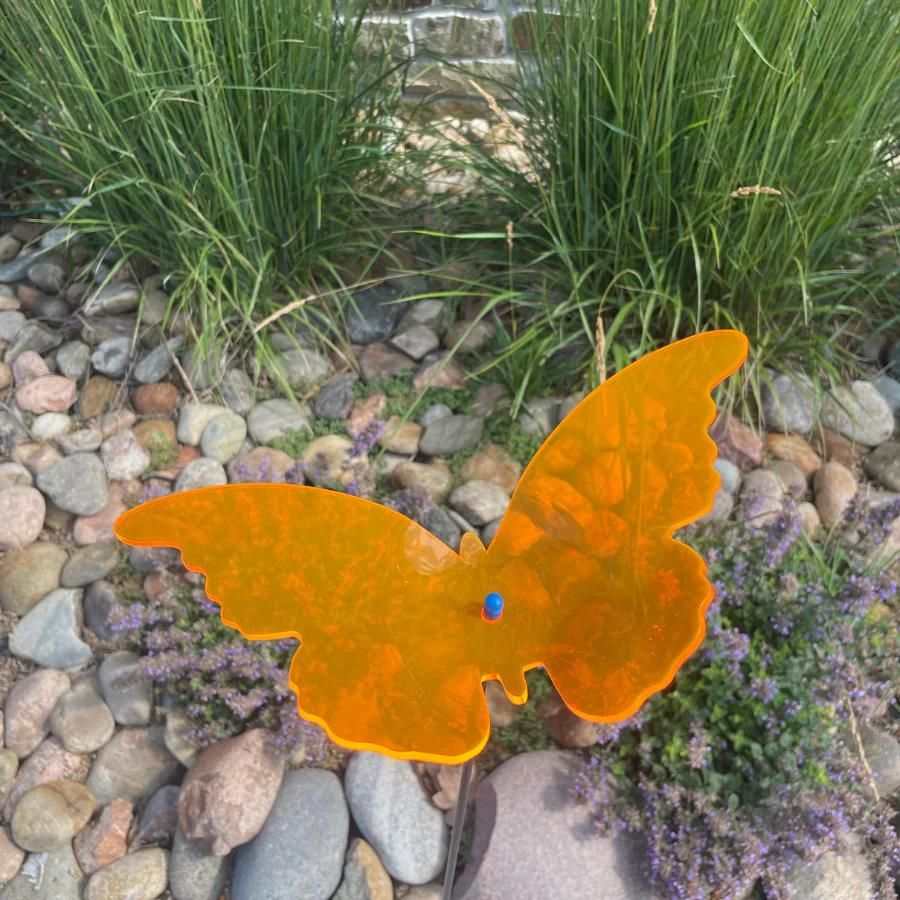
point(750, 758)
point(237, 146)
point(681, 166)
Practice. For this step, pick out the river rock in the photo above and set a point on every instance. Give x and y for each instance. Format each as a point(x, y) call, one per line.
point(49, 635)
point(737, 442)
point(493, 464)
point(791, 476)
point(113, 300)
point(99, 527)
point(48, 816)
point(417, 341)
point(859, 413)
point(401, 437)
point(472, 336)
point(123, 456)
point(262, 464)
point(396, 817)
point(365, 877)
point(76, 484)
point(51, 425)
point(89, 564)
point(836, 875)
point(372, 316)
point(762, 496)
point(437, 371)
point(436, 314)
point(72, 359)
point(223, 437)
point(540, 416)
point(81, 720)
point(141, 875)
point(883, 753)
point(451, 435)
point(37, 457)
point(130, 704)
point(111, 356)
point(47, 876)
point(32, 336)
point(479, 502)
point(788, 403)
point(159, 818)
point(273, 419)
point(439, 522)
point(301, 367)
point(202, 472)
point(27, 367)
point(156, 363)
point(10, 322)
point(434, 412)
point(193, 419)
point(194, 875)
point(204, 370)
point(237, 391)
point(834, 487)
point(49, 393)
point(889, 388)
point(379, 361)
point(794, 449)
point(559, 853)
point(229, 791)
point(28, 574)
point(730, 475)
point(302, 842)
point(132, 765)
point(11, 857)
point(22, 511)
point(106, 840)
point(50, 762)
point(883, 464)
point(435, 479)
point(28, 707)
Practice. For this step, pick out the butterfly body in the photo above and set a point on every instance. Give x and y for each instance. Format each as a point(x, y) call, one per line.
point(395, 642)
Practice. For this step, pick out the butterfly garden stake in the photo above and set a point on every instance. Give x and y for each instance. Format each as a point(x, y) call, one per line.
point(398, 632)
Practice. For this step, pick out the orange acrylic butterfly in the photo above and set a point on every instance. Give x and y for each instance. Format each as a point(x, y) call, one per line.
point(395, 645)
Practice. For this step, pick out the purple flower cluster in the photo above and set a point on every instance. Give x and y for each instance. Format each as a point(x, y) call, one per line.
point(366, 440)
point(783, 533)
point(414, 503)
point(226, 683)
point(740, 768)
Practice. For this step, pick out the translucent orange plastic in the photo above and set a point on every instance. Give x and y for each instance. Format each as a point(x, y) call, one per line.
point(394, 645)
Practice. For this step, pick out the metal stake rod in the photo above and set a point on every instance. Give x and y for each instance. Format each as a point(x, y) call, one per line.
point(458, 822)
point(490, 612)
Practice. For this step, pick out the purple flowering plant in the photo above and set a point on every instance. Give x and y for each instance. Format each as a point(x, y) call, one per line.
point(747, 761)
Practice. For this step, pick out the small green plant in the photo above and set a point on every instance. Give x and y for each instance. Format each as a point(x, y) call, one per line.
point(295, 441)
point(507, 433)
point(527, 731)
point(162, 453)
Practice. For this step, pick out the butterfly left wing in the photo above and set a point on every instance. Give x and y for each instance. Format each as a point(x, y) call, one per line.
point(390, 657)
point(597, 590)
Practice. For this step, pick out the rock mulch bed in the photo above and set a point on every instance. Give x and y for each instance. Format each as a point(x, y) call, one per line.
point(101, 796)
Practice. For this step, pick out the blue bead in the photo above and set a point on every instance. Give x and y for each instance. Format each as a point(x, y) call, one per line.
point(493, 605)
